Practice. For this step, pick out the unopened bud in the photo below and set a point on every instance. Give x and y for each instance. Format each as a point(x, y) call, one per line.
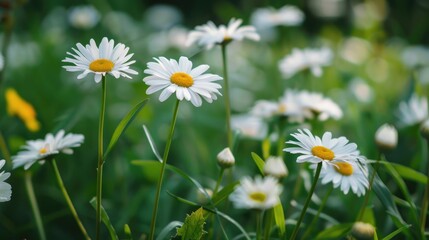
point(275, 166)
point(363, 231)
point(225, 159)
point(386, 137)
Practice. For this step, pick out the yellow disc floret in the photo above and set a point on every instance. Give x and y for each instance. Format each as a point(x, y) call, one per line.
point(258, 196)
point(182, 79)
point(43, 150)
point(323, 153)
point(101, 65)
point(344, 168)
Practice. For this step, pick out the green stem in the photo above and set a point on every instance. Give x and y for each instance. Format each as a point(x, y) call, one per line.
point(68, 200)
point(226, 97)
point(219, 180)
point(258, 224)
point(307, 201)
point(368, 193)
point(425, 198)
point(161, 176)
point(314, 221)
point(100, 157)
point(4, 149)
point(34, 206)
point(268, 223)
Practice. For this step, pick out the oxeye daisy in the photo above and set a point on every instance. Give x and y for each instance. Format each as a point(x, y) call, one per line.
point(414, 111)
point(5, 188)
point(179, 77)
point(40, 149)
point(256, 194)
point(106, 58)
point(346, 176)
point(209, 34)
point(326, 150)
point(321, 107)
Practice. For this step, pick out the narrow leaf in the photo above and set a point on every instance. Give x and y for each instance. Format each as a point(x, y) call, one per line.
point(167, 229)
point(259, 162)
point(279, 218)
point(335, 232)
point(106, 220)
point(396, 232)
point(127, 231)
point(152, 143)
point(222, 194)
point(123, 124)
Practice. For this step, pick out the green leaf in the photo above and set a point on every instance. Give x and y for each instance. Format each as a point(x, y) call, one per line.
point(396, 232)
point(335, 232)
point(106, 220)
point(150, 168)
point(123, 124)
point(152, 143)
point(164, 232)
point(127, 231)
point(193, 227)
point(222, 194)
point(279, 217)
point(266, 146)
point(409, 173)
point(259, 162)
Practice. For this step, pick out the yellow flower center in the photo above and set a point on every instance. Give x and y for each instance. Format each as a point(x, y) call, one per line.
point(182, 79)
point(323, 153)
point(101, 65)
point(258, 197)
point(282, 108)
point(344, 168)
point(43, 150)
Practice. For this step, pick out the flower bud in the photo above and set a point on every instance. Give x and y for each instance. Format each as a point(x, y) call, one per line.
point(363, 231)
point(386, 137)
point(275, 166)
point(202, 197)
point(225, 159)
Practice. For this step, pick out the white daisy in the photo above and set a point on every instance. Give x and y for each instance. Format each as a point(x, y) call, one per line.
point(209, 34)
point(290, 105)
point(270, 17)
point(179, 77)
point(107, 58)
point(414, 111)
point(346, 175)
point(41, 149)
point(298, 60)
point(265, 109)
point(323, 108)
point(258, 194)
point(386, 136)
point(5, 188)
point(83, 17)
point(327, 150)
point(276, 167)
point(249, 126)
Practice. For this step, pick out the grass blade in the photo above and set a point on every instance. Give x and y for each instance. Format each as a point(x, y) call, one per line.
point(106, 220)
point(259, 162)
point(152, 143)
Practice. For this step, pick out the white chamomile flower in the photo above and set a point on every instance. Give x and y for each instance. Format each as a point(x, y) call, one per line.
point(107, 58)
point(414, 111)
point(324, 108)
point(209, 34)
point(265, 109)
point(346, 176)
point(83, 17)
point(5, 188)
point(269, 17)
point(326, 150)
point(299, 60)
point(179, 77)
point(256, 194)
point(41, 149)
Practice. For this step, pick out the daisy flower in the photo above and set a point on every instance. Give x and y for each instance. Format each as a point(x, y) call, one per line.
point(41, 149)
point(276, 167)
point(327, 150)
point(269, 17)
point(5, 188)
point(346, 176)
point(256, 194)
point(209, 34)
point(323, 108)
point(414, 111)
point(179, 77)
point(83, 17)
point(107, 58)
point(249, 126)
point(299, 60)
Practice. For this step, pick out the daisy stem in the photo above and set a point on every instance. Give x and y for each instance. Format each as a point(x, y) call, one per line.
point(226, 97)
point(219, 180)
point(368, 193)
point(67, 197)
point(258, 224)
point(100, 157)
point(268, 223)
point(425, 199)
point(307, 201)
point(34, 206)
point(322, 205)
point(161, 176)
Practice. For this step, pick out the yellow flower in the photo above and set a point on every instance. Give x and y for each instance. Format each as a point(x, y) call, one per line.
point(16, 106)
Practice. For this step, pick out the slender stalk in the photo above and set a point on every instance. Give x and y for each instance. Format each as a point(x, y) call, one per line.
point(322, 205)
point(258, 224)
point(226, 97)
point(161, 176)
point(268, 223)
point(100, 157)
point(34, 206)
point(368, 193)
point(307, 201)
point(425, 198)
point(281, 138)
point(219, 180)
point(4, 149)
point(68, 200)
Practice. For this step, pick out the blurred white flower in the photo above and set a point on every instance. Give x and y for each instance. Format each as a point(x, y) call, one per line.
point(83, 17)
point(209, 34)
point(163, 16)
point(291, 106)
point(355, 50)
point(323, 108)
point(327, 8)
point(175, 37)
point(269, 17)
point(1, 62)
point(415, 56)
point(424, 129)
point(256, 194)
point(179, 77)
point(40, 149)
point(265, 109)
point(367, 14)
point(276, 167)
point(225, 159)
point(107, 58)
point(249, 126)
point(361, 90)
point(413, 112)
point(23, 54)
point(5, 188)
point(299, 60)
point(346, 175)
point(386, 136)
